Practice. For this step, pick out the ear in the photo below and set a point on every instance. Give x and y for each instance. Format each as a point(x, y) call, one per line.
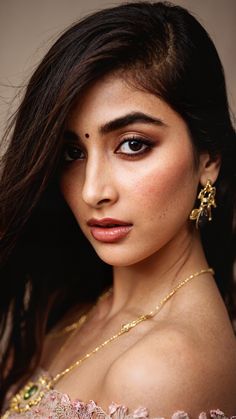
point(209, 168)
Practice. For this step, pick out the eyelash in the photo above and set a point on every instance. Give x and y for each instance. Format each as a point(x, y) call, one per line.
point(138, 140)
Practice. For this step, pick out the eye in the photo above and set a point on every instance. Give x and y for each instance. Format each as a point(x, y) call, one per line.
point(134, 146)
point(72, 152)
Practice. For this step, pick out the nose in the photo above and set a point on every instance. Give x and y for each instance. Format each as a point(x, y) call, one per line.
point(99, 187)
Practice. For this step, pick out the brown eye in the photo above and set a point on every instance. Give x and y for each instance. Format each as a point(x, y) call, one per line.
point(134, 146)
point(72, 152)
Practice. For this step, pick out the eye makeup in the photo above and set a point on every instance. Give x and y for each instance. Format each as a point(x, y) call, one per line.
point(131, 147)
point(136, 144)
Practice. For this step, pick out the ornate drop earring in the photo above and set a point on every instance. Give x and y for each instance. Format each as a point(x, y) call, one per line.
point(207, 198)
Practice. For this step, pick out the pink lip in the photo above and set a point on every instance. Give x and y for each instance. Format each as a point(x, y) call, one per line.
point(103, 222)
point(103, 230)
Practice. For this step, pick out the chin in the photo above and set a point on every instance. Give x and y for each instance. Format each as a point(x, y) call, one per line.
point(118, 257)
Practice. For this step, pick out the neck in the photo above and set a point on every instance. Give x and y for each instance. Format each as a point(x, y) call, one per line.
point(142, 285)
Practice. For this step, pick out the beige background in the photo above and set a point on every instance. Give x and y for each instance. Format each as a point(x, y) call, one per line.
point(28, 27)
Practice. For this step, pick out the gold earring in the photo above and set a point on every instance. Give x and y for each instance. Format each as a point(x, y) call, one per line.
point(207, 198)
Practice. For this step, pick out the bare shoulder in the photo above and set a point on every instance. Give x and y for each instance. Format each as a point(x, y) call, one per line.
point(172, 371)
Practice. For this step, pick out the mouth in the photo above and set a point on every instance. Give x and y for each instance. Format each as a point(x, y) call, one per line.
point(107, 222)
point(108, 231)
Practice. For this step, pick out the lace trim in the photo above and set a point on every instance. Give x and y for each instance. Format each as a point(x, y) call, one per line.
point(56, 405)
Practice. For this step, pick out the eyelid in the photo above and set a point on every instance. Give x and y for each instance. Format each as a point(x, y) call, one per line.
point(65, 150)
point(142, 140)
point(132, 137)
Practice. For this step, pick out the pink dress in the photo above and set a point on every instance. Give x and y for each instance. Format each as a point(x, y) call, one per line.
point(56, 405)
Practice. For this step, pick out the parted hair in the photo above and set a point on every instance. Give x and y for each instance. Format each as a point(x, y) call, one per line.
point(46, 263)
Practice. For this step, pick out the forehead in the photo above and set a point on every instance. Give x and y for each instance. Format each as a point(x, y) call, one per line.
point(112, 97)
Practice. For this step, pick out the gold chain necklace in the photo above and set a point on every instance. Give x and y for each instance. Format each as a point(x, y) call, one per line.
point(77, 325)
point(33, 392)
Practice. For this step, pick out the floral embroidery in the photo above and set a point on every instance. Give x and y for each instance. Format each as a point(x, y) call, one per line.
point(56, 405)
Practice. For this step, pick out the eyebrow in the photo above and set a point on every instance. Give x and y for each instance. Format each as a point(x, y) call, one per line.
point(118, 123)
point(130, 118)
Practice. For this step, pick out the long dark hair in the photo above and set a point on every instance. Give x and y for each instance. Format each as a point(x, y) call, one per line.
point(46, 264)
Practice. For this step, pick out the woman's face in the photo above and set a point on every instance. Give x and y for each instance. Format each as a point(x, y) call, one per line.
point(128, 156)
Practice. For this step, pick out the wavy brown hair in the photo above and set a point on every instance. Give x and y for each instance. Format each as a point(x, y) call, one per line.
point(46, 263)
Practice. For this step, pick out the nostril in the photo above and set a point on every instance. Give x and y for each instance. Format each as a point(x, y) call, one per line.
point(103, 201)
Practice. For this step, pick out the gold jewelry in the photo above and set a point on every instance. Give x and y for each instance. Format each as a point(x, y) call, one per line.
point(74, 327)
point(77, 325)
point(207, 198)
point(33, 392)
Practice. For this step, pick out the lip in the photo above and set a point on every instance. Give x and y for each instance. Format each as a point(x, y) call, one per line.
point(104, 222)
point(101, 232)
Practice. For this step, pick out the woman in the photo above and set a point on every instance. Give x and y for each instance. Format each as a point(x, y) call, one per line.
point(125, 125)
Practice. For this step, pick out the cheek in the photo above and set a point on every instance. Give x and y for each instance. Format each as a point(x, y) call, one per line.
point(71, 189)
point(167, 188)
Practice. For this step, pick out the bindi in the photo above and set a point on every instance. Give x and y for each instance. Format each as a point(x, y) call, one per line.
point(87, 135)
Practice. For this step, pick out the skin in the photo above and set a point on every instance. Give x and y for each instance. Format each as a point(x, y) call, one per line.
point(155, 191)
